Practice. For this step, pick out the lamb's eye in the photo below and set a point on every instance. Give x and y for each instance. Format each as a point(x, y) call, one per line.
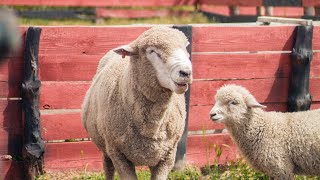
point(233, 102)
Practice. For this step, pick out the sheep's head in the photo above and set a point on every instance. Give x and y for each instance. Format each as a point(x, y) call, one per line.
point(165, 49)
point(232, 104)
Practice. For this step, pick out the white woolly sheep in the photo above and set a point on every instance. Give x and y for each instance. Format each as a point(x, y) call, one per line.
point(134, 110)
point(278, 144)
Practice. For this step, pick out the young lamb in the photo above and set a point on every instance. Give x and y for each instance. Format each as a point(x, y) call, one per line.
point(278, 144)
point(134, 110)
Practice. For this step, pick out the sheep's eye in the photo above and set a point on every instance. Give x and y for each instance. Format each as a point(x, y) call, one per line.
point(233, 102)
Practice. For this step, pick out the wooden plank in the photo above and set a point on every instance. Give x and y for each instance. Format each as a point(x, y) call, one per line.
point(242, 38)
point(86, 40)
point(267, 19)
point(226, 66)
point(84, 3)
point(63, 94)
point(232, 2)
point(62, 126)
point(245, 10)
point(11, 69)
point(282, 2)
point(10, 89)
point(205, 66)
point(10, 114)
point(200, 150)
point(72, 156)
point(70, 95)
point(131, 13)
point(11, 169)
point(307, 3)
point(10, 141)
point(68, 68)
point(265, 90)
point(316, 37)
point(85, 155)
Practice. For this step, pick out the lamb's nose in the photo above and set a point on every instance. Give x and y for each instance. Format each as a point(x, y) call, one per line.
point(212, 115)
point(186, 73)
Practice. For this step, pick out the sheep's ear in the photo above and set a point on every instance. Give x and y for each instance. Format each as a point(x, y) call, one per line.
point(125, 50)
point(251, 102)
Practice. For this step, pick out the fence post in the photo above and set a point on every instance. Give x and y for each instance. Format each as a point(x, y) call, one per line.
point(234, 10)
point(180, 161)
point(308, 11)
point(33, 144)
point(299, 97)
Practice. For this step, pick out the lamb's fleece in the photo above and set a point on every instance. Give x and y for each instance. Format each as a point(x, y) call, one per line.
point(130, 116)
point(278, 144)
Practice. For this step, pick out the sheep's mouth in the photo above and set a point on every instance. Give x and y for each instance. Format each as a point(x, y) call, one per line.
point(181, 84)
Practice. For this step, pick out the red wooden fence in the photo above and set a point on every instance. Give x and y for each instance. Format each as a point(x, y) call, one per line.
point(257, 57)
point(222, 7)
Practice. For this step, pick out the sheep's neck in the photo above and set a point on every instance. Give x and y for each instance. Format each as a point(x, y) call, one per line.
point(148, 100)
point(247, 131)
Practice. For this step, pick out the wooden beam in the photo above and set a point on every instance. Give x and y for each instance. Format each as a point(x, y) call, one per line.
point(181, 160)
point(299, 98)
point(33, 145)
point(282, 2)
point(266, 19)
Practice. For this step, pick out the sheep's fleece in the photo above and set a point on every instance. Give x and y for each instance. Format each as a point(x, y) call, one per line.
point(278, 144)
point(134, 110)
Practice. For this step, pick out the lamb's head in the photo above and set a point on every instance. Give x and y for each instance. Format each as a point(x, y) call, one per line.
point(164, 49)
point(233, 103)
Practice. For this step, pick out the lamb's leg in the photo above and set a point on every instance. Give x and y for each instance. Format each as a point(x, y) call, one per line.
point(108, 167)
point(124, 167)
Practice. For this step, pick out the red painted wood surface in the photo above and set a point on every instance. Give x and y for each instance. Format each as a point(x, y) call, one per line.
point(62, 94)
point(316, 38)
point(95, 3)
point(131, 13)
point(62, 126)
point(242, 38)
point(232, 2)
point(11, 170)
point(310, 3)
point(85, 155)
point(251, 10)
point(68, 67)
point(10, 114)
point(85, 40)
point(226, 66)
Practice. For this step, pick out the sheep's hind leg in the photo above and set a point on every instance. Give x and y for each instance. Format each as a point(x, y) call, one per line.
point(108, 167)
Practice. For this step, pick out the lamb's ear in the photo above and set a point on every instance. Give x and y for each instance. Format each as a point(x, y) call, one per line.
point(252, 102)
point(125, 50)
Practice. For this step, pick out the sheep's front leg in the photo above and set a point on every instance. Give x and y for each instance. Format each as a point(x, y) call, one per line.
point(162, 170)
point(125, 168)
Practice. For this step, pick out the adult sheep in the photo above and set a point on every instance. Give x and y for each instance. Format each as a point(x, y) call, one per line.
point(278, 144)
point(134, 110)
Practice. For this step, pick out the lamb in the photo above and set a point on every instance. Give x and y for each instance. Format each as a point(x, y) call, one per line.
point(134, 110)
point(278, 144)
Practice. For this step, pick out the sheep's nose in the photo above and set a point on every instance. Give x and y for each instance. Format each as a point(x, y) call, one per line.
point(185, 73)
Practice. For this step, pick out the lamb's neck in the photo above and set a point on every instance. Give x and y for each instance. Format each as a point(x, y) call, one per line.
point(147, 99)
point(249, 129)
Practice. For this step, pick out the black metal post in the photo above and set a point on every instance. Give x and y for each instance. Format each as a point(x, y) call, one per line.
point(299, 97)
point(180, 161)
point(33, 144)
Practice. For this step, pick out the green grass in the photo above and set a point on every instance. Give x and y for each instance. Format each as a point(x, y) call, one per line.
point(238, 170)
point(194, 18)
